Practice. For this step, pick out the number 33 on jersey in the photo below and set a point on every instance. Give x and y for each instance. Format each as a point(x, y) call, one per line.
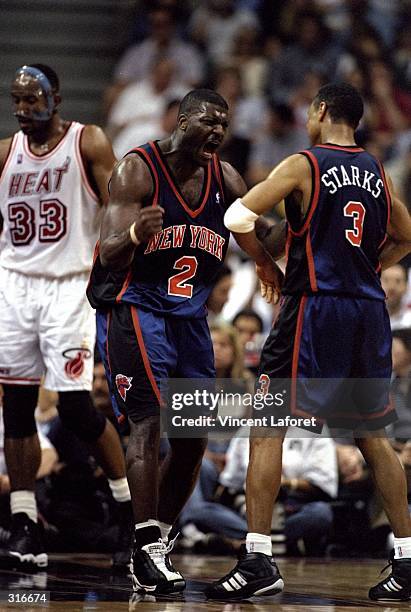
point(49, 209)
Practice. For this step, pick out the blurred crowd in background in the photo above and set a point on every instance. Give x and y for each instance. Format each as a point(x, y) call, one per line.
point(267, 59)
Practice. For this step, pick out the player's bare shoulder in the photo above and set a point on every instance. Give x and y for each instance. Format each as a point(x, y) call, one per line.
point(296, 164)
point(235, 185)
point(131, 177)
point(94, 142)
point(5, 145)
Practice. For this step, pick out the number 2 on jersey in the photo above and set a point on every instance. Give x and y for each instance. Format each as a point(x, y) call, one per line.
point(177, 284)
point(357, 211)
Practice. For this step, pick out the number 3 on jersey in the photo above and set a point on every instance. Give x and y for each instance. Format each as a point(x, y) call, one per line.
point(357, 211)
point(177, 284)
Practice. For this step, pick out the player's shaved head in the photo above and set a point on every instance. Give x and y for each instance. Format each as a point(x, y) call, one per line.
point(191, 103)
point(344, 103)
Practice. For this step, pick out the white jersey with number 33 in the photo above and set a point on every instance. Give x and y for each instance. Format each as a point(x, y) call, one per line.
point(49, 210)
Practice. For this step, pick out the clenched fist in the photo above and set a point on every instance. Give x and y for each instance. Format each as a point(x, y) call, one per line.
point(149, 222)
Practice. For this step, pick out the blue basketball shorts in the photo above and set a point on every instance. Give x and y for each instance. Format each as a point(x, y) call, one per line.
point(140, 349)
point(335, 353)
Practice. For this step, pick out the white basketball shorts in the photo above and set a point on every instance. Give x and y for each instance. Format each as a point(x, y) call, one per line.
point(47, 328)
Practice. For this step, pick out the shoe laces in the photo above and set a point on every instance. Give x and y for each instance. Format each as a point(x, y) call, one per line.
point(389, 564)
point(170, 544)
point(157, 552)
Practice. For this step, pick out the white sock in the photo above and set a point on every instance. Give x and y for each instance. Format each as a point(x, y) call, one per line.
point(165, 530)
point(24, 501)
point(149, 523)
point(258, 543)
point(402, 548)
point(119, 489)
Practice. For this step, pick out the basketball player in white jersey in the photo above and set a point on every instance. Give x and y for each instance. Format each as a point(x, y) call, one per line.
point(54, 178)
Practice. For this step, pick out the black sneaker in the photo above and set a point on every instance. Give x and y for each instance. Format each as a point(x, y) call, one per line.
point(25, 546)
point(122, 556)
point(397, 586)
point(255, 574)
point(149, 571)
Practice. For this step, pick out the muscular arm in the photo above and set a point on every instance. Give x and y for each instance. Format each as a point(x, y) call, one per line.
point(273, 236)
point(99, 158)
point(131, 185)
point(270, 235)
point(292, 174)
point(236, 188)
point(398, 244)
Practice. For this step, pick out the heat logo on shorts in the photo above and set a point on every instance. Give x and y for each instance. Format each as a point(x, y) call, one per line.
point(75, 365)
point(123, 384)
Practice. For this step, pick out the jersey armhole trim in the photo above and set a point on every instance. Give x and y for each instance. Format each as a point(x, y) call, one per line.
point(219, 176)
point(7, 161)
point(315, 192)
point(82, 165)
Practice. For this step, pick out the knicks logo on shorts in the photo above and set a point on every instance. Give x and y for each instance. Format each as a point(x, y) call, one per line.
point(75, 365)
point(123, 384)
point(264, 383)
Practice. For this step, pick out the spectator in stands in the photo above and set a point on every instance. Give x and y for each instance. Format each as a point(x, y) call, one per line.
point(248, 324)
point(402, 56)
point(401, 384)
point(137, 114)
point(282, 138)
point(247, 56)
point(201, 511)
point(390, 105)
point(247, 116)
point(219, 295)
point(363, 46)
point(137, 62)
point(311, 49)
point(394, 281)
point(228, 353)
point(214, 25)
point(46, 410)
point(309, 481)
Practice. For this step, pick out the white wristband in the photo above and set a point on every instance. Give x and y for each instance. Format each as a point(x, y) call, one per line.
point(133, 236)
point(238, 218)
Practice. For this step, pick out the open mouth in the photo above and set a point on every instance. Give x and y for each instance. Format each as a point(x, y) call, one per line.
point(24, 121)
point(209, 148)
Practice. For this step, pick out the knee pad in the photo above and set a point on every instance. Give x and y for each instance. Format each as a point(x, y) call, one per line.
point(19, 404)
point(78, 414)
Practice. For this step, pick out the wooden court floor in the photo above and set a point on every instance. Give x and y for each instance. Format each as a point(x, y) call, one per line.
point(83, 582)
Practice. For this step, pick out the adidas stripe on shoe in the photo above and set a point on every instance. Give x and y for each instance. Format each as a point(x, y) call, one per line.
point(255, 574)
point(397, 586)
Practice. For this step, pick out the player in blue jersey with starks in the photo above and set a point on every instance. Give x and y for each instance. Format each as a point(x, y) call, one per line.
point(162, 243)
point(344, 224)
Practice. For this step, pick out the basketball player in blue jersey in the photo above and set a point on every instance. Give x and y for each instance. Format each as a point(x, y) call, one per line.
point(344, 224)
point(162, 243)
